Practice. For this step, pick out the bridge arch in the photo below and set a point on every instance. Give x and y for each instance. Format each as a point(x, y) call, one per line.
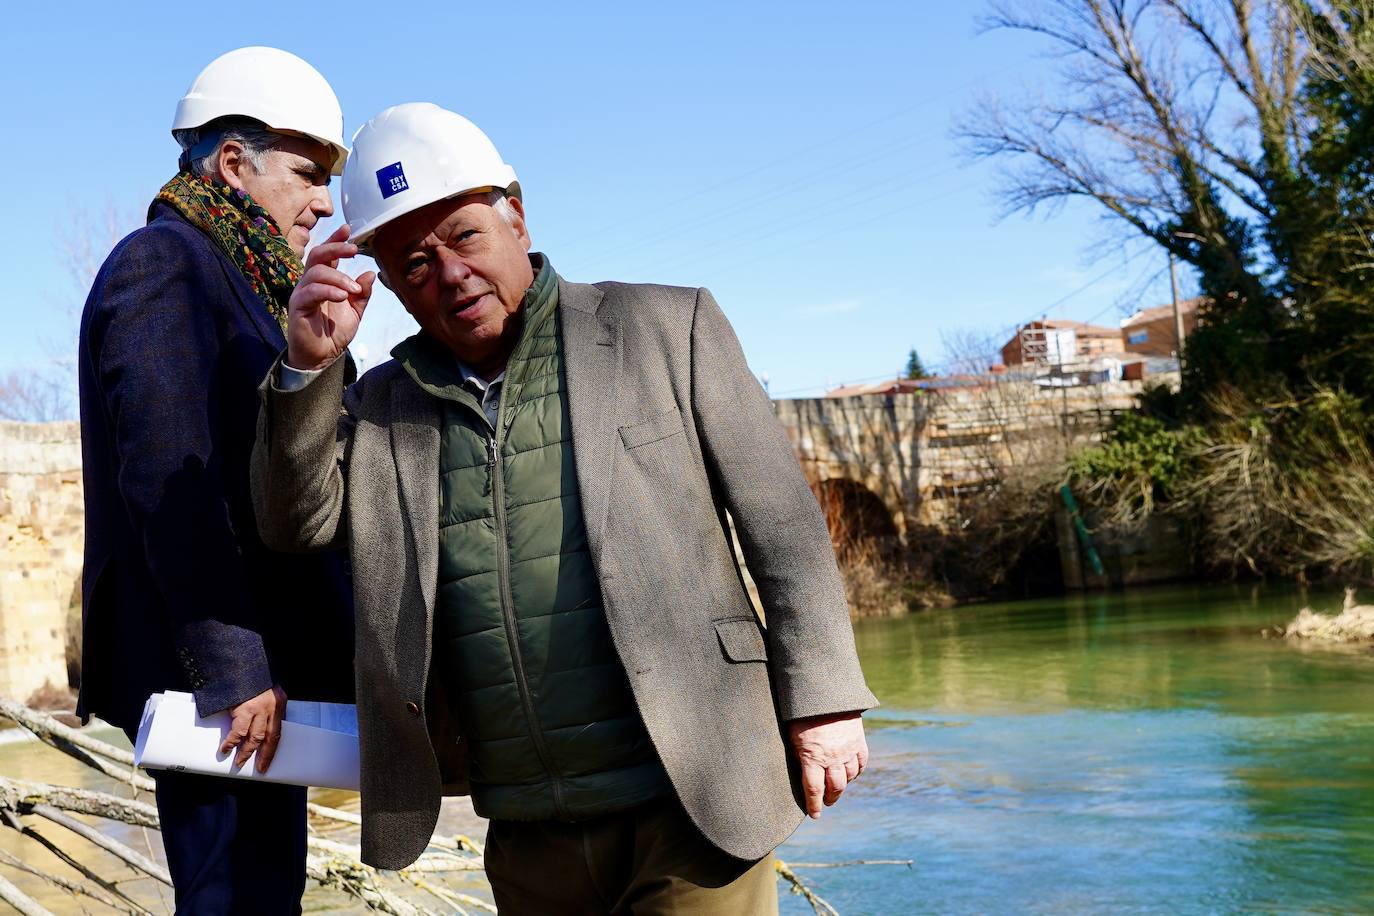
point(858, 518)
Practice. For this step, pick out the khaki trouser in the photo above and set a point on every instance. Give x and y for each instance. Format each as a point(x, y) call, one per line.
point(647, 861)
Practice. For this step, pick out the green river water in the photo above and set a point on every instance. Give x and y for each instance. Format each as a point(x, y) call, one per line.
point(1124, 753)
point(1127, 753)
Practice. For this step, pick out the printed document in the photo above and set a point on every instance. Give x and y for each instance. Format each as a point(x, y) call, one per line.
point(318, 747)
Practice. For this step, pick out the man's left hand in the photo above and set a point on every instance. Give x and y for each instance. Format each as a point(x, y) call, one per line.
point(832, 752)
point(255, 725)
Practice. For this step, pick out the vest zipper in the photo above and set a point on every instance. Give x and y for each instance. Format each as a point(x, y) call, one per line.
point(498, 493)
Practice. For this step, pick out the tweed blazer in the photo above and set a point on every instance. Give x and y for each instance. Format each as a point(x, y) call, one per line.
point(670, 432)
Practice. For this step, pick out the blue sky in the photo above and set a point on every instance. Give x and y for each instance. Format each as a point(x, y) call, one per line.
point(797, 158)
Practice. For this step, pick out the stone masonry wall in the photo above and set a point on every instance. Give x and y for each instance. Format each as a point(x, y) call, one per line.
point(41, 533)
point(920, 452)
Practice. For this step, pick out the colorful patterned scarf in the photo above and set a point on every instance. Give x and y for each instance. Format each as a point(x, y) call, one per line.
point(243, 230)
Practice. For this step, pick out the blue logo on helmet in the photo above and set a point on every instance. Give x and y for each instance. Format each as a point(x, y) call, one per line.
point(392, 180)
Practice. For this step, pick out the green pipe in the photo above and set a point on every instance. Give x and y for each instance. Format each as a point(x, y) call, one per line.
point(1084, 537)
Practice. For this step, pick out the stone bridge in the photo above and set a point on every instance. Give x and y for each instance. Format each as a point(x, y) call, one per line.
point(884, 465)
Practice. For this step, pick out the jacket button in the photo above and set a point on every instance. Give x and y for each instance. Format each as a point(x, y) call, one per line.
point(413, 708)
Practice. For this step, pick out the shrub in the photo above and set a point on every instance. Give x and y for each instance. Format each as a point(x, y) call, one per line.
point(1140, 465)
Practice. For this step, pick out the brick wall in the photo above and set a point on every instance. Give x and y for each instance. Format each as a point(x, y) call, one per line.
point(1156, 336)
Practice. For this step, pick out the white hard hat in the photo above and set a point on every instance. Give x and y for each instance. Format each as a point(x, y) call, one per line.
point(414, 154)
point(268, 84)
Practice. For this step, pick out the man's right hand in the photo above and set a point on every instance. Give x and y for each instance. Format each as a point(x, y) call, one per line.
point(256, 726)
point(326, 306)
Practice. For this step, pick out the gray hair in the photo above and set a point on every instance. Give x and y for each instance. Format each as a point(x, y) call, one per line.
point(252, 135)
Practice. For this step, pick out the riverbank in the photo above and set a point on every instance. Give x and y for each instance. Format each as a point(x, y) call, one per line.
point(1278, 489)
point(33, 762)
point(1277, 486)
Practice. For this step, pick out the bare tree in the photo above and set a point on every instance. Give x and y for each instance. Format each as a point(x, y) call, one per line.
point(970, 351)
point(1238, 135)
point(1198, 125)
point(33, 396)
point(45, 390)
point(1175, 112)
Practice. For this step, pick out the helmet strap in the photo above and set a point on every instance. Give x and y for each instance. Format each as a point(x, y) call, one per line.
point(203, 148)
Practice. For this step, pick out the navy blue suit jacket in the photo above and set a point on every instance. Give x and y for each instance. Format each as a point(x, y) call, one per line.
point(178, 590)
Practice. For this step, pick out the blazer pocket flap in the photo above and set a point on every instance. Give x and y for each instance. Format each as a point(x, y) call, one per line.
point(653, 429)
point(741, 639)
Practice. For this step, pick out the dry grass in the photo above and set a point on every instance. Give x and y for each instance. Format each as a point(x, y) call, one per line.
point(1273, 495)
point(60, 702)
point(881, 578)
point(873, 579)
point(1354, 624)
point(874, 587)
point(1335, 511)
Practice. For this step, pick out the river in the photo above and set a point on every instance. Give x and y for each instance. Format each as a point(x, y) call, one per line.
point(1136, 752)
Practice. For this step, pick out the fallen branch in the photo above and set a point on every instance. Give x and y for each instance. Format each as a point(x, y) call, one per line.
point(20, 900)
point(907, 862)
point(452, 898)
point(78, 888)
point(360, 881)
point(19, 794)
point(457, 843)
point(62, 855)
point(334, 814)
point(47, 727)
point(131, 857)
point(91, 751)
point(798, 886)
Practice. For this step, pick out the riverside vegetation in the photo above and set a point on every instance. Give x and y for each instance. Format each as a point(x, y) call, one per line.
point(1263, 454)
point(1241, 137)
point(1280, 485)
point(1237, 138)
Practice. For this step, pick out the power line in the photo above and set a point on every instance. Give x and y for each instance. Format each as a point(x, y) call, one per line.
point(751, 202)
point(1011, 329)
point(848, 134)
point(1044, 310)
point(823, 211)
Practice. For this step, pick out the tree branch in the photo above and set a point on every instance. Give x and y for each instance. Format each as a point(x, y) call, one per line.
point(20, 900)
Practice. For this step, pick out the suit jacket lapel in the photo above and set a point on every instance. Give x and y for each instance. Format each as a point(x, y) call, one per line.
point(591, 359)
point(415, 419)
point(253, 307)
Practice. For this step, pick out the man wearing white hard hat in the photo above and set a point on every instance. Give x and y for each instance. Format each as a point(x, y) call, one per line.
point(179, 593)
point(534, 493)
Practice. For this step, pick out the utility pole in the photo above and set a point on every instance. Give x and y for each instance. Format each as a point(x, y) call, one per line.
point(1178, 317)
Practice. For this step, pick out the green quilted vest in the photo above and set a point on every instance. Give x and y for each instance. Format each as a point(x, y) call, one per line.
point(521, 643)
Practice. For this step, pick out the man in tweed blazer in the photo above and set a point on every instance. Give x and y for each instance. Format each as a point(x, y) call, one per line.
point(669, 432)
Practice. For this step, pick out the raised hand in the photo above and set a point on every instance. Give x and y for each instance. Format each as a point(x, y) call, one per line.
point(832, 753)
point(326, 306)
